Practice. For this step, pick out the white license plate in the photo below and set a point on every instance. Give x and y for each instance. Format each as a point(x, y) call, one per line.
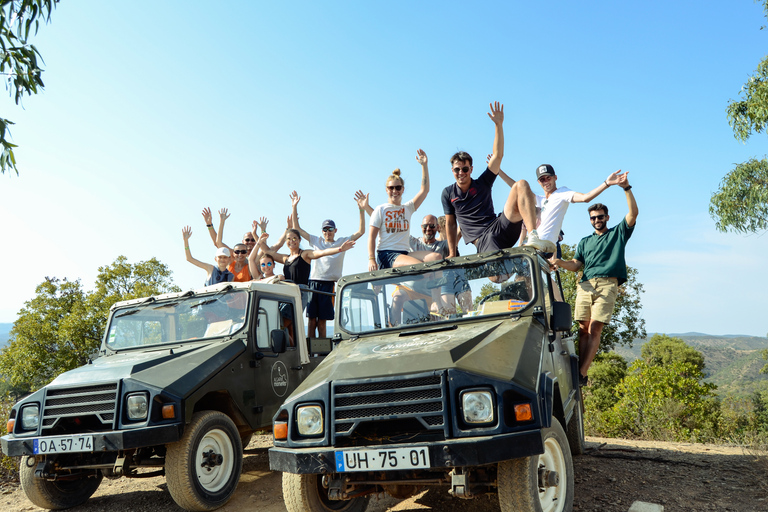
point(382, 459)
point(62, 444)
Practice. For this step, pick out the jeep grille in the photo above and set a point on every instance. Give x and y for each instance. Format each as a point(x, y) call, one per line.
point(79, 409)
point(390, 410)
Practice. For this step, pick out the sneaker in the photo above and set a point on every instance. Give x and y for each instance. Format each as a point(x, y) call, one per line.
point(540, 245)
point(583, 380)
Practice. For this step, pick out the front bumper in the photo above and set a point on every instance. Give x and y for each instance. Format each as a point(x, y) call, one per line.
point(111, 441)
point(474, 451)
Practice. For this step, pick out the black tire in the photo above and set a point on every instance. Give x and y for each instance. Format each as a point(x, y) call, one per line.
point(575, 431)
point(305, 493)
point(58, 494)
point(246, 440)
point(519, 487)
point(197, 487)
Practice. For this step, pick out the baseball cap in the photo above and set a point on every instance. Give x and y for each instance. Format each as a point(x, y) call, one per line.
point(544, 170)
point(328, 223)
point(222, 251)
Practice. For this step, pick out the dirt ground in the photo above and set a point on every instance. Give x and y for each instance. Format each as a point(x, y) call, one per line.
point(609, 478)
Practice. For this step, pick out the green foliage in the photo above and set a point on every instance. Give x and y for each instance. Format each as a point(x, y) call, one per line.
point(20, 60)
point(62, 325)
point(485, 290)
point(664, 403)
point(662, 350)
point(626, 323)
point(741, 202)
point(9, 466)
point(764, 369)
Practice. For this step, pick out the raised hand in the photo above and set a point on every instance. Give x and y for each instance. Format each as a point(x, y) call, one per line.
point(347, 245)
point(223, 215)
point(295, 198)
point(207, 217)
point(361, 199)
point(421, 157)
point(497, 112)
point(623, 181)
point(186, 232)
point(614, 178)
point(262, 224)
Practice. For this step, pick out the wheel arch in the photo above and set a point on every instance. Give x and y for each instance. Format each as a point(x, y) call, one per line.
point(221, 401)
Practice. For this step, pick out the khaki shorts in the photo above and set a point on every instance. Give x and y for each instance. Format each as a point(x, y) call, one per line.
point(595, 299)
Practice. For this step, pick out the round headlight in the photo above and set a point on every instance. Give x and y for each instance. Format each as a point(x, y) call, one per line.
point(136, 406)
point(310, 420)
point(477, 406)
point(30, 417)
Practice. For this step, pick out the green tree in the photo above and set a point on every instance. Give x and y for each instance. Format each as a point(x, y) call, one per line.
point(20, 60)
point(62, 325)
point(626, 324)
point(662, 350)
point(741, 202)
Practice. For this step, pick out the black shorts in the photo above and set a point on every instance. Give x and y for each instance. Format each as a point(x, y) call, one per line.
point(321, 305)
point(500, 234)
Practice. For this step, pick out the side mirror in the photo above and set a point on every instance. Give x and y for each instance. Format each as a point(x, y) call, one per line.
point(278, 341)
point(562, 319)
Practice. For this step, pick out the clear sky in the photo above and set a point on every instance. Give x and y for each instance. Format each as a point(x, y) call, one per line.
point(154, 109)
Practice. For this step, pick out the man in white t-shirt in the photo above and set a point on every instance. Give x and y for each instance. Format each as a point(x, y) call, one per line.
point(325, 271)
point(551, 207)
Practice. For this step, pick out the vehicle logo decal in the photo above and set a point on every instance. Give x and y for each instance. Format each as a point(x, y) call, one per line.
point(415, 343)
point(279, 378)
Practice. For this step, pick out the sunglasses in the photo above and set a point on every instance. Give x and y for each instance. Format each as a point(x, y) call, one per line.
point(596, 217)
point(240, 252)
point(457, 170)
point(425, 226)
point(266, 264)
point(249, 240)
point(327, 229)
point(395, 187)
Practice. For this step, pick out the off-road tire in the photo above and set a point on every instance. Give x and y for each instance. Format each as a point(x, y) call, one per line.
point(305, 493)
point(58, 494)
point(192, 486)
point(519, 478)
point(575, 431)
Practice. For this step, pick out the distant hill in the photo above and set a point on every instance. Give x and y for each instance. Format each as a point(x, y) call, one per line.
point(732, 362)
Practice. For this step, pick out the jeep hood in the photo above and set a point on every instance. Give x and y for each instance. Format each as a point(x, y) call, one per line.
point(172, 369)
point(492, 348)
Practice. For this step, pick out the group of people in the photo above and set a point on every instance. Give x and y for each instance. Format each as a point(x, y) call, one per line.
point(469, 213)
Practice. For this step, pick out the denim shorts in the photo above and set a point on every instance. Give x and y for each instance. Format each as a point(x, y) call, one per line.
point(386, 259)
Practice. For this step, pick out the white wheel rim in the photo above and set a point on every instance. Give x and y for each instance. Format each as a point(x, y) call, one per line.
point(213, 479)
point(552, 499)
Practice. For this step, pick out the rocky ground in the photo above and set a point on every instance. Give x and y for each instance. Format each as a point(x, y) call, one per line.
point(609, 478)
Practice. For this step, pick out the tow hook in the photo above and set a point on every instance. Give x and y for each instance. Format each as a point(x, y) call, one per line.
point(548, 478)
point(211, 459)
point(460, 483)
point(335, 487)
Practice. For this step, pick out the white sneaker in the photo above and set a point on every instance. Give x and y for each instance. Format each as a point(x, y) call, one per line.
point(540, 245)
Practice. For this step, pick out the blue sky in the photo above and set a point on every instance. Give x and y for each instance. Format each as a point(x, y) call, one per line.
point(153, 110)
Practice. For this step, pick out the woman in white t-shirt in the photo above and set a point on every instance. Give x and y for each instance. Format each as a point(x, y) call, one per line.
point(391, 224)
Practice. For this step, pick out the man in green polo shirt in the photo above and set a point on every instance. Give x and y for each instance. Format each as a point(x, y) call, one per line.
point(601, 255)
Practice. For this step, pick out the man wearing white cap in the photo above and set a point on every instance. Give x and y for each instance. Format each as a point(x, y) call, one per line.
point(325, 271)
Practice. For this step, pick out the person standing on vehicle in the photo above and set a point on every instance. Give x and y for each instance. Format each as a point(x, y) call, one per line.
point(469, 202)
point(325, 271)
point(215, 274)
point(601, 255)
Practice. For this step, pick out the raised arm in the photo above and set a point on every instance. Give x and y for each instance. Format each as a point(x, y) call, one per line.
point(208, 218)
point(223, 216)
point(361, 229)
point(186, 233)
point(509, 181)
point(265, 249)
point(310, 254)
point(295, 198)
point(497, 116)
point(362, 202)
point(253, 259)
point(281, 241)
point(421, 157)
point(612, 179)
point(631, 216)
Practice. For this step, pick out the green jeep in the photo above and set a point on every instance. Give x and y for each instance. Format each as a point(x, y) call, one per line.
point(179, 386)
point(458, 373)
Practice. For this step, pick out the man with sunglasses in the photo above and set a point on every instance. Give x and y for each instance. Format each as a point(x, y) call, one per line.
point(325, 271)
point(601, 255)
point(469, 202)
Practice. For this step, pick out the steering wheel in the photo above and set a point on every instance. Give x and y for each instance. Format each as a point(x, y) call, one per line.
point(488, 297)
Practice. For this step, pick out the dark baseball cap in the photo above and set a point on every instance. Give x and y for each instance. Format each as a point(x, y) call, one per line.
point(328, 223)
point(544, 170)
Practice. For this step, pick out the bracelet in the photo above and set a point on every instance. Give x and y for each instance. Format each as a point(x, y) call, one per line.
point(186, 247)
point(339, 248)
point(606, 183)
point(628, 188)
point(209, 225)
point(372, 258)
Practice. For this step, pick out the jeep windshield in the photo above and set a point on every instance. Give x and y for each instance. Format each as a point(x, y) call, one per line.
point(447, 292)
point(179, 319)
